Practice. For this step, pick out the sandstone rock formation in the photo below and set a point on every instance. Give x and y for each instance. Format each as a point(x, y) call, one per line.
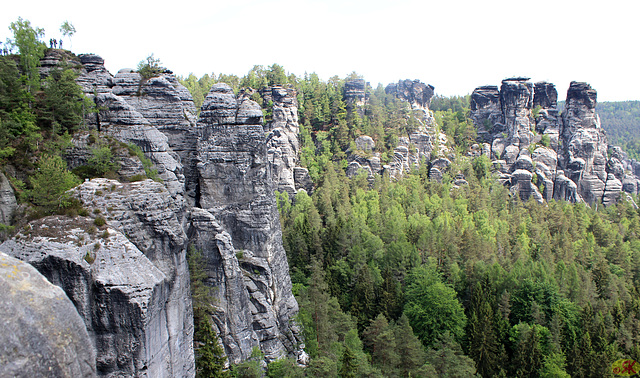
point(283, 146)
point(239, 226)
point(8, 203)
point(566, 154)
point(355, 95)
point(129, 280)
point(131, 291)
point(413, 149)
point(41, 333)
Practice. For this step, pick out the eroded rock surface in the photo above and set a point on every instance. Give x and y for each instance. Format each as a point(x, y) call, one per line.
point(567, 154)
point(41, 333)
point(283, 146)
point(237, 192)
point(128, 280)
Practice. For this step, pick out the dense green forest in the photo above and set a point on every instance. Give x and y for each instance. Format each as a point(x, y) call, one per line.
point(414, 278)
point(621, 120)
point(406, 277)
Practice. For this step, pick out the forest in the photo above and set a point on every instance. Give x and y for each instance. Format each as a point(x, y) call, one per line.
point(394, 278)
point(621, 120)
point(412, 277)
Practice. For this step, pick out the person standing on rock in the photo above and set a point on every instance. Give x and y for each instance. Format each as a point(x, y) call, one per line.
point(60, 44)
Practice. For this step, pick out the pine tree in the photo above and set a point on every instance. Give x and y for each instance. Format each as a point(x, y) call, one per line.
point(483, 345)
point(410, 350)
point(209, 354)
point(349, 366)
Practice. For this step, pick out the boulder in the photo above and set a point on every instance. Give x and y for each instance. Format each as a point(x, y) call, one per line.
point(41, 333)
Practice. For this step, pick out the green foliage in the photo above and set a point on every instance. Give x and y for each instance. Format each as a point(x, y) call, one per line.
point(150, 67)
point(470, 270)
point(27, 39)
point(198, 87)
point(447, 359)
point(17, 120)
point(482, 167)
point(64, 105)
point(284, 368)
point(535, 112)
point(621, 121)
point(545, 140)
point(249, 368)
point(432, 306)
point(99, 221)
point(210, 357)
point(50, 183)
point(147, 164)
point(102, 161)
point(67, 29)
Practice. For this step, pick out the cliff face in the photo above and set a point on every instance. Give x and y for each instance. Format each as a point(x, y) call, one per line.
point(129, 280)
point(283, 146)
point(567, 156)
point(239, 226)
point(131, 291)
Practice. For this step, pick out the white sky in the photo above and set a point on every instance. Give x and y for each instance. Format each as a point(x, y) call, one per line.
point(455, 45)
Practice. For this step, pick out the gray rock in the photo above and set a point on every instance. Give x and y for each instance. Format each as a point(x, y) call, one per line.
point(365, 143)
point(612, 190)
point(516, 98)
point(151, 219)
point(565, 189)
point(522, 185)
point(94, 77)
point(486, 113)
point(355, 95)
point(8, 203)
point(577, 144)
point(435, 174)
point(418, 95)
point(237, 189)
point(547, 156)
point(124, 123)
point(168, 107)
point(415, 92)
point(41, 333)
point(441, 163)
point(630, 184)
point(302, 179)
point(524, 162)
point(283, 147)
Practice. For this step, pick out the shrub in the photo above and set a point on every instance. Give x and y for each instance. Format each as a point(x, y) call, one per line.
point(545, 141)
point(150, 68)
point(99, 221)
point(50, 184)
point(89, 258)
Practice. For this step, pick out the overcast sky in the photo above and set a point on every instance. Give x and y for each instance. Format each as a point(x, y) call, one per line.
point(453, 45)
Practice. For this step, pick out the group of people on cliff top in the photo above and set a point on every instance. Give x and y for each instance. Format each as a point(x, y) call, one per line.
point(53, 43)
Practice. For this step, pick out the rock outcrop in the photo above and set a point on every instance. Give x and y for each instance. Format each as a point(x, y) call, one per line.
point(412, 150)
point(283, 146)
point(131, 291)
point(129, 279)
point(41, 333)
point(8, 203)
point(239, 227)
point(566, 154)
point(355, 95)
